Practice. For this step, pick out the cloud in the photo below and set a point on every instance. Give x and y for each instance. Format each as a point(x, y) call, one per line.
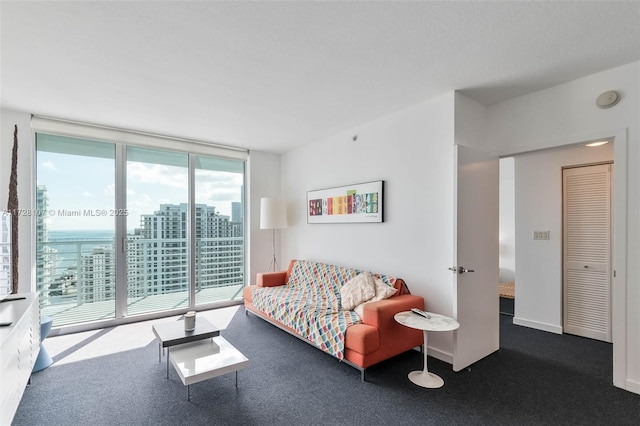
point(217, 187)
point(49, 165)
point(158, 174)
point(160, 184)
point(138, 206)
point(111, 190)
point(87, 194)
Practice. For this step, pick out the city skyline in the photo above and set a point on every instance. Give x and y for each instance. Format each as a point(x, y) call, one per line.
point(81, 271)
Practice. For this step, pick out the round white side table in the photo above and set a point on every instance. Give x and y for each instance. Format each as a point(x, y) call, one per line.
point(436, 322)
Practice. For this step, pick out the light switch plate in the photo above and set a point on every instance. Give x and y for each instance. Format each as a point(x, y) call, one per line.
point(540, 235)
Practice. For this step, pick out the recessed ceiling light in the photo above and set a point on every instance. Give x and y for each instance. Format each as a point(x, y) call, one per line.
point(599, 143)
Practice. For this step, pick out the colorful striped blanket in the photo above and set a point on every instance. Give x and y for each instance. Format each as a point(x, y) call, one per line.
point(310, 303)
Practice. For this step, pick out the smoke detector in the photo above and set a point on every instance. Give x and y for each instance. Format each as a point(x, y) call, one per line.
point(608, 99)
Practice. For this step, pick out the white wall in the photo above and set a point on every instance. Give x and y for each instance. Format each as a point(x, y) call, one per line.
point(567, 114)
point(263, 179)
point(507, 221)
point(412, 151)
point(538, 206)
point(470, 122)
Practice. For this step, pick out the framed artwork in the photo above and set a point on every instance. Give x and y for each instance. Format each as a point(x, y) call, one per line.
point(357, 203)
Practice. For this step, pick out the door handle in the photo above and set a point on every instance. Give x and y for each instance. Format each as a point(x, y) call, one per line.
point(460, 269)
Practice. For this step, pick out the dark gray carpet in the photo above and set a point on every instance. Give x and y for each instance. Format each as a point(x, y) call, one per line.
point(536, 378)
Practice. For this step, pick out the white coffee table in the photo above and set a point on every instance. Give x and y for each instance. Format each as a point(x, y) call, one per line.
point(170, 334)
point(205, 359)
point(436, 322)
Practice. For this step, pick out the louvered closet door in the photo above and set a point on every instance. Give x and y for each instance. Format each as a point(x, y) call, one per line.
point(587, 251)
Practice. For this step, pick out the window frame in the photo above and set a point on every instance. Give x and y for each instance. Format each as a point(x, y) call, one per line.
point(121, 139)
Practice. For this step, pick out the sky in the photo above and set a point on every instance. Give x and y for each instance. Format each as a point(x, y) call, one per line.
point(87, 185)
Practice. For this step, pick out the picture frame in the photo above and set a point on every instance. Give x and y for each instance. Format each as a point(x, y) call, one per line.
point(356, 203)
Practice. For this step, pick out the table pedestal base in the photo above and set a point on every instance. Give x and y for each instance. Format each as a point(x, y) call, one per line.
point(426, 379)
point(427, 322)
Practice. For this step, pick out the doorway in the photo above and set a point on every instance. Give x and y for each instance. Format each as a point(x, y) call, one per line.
point(506, 250)
point(619, 302)
point(531, 231)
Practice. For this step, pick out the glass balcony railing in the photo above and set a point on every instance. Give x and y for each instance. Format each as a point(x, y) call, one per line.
point(77, 278)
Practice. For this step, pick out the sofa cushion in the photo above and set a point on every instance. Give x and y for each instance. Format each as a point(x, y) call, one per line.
point(357, 290)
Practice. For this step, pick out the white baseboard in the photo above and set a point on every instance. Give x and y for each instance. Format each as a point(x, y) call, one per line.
point(441, 355)
point(537, 325)
point(633, 386)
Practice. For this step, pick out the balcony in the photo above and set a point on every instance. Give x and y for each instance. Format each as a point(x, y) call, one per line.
point(76, 279)
point(72, 313)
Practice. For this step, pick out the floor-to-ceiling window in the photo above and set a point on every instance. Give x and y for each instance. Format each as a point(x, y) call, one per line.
point(75, 230)
point(219, 230)
point(157, 230)
point(126, 229)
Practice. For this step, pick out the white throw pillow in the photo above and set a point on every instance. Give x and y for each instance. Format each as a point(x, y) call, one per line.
point(357, 290)
point(383, 291)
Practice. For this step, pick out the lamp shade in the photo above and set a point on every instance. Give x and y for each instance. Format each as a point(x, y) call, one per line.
point(273, 213)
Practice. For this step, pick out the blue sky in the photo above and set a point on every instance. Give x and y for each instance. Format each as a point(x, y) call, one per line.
point(87, 184)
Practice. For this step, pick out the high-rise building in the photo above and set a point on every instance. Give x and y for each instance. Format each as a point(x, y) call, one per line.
point(46, 256)
point(237, 213)
point(97, 280)
point(5, 254)
point(158, 253)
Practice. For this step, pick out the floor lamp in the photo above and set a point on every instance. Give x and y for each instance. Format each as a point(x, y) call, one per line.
point(273, 215)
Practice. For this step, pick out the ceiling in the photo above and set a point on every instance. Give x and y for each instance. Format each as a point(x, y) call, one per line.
point(273, 76)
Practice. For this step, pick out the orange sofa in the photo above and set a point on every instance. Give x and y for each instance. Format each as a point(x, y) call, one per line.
point(283, 298)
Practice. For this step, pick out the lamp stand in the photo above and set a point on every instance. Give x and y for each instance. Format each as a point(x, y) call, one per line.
point(274, 262)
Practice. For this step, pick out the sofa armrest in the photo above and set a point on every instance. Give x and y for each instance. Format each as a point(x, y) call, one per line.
point(271, 279)
point(247, 294)
point(380, 314)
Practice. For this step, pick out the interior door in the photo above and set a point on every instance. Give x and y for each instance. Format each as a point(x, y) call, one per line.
point(475, 257)
point(587, 251)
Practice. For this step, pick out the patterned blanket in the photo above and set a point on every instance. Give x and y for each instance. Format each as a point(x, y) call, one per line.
point(310, 304)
